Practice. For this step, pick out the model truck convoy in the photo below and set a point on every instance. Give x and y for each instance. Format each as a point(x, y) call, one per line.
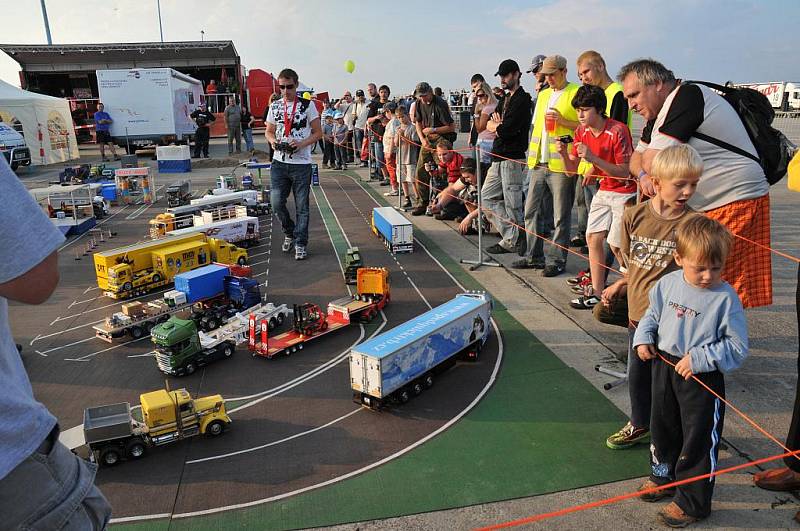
point(112, 434)
point(139, 268)
point(404, 361)
point(208, 294)
point(394, 229)
point(181, 217)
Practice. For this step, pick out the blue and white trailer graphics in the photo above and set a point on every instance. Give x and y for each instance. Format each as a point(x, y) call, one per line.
point(402, 362)
point(394, 229)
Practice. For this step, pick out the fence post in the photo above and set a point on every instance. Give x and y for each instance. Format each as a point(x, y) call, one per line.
point(475, 264)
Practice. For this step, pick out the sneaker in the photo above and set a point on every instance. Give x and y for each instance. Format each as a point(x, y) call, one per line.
point(522, 243)
point(578, 278)
point(392, 193)
point(582, 287)
point(628, 436)
point(300, 252)
point(654, 496)
point(577, 241)
point(584, 302)
point(385, 182)
point(673, 516)
point(363, 165)
point(497, 249)
point(553, 270)
point(419, 211)
point(407, 203)
point(527, 263)
point(288, 243)
point(429, 211)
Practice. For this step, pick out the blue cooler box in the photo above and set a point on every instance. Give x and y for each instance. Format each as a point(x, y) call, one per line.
point(174, 159)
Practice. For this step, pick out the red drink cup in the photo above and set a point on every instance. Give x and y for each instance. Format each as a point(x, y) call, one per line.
point(550, 122)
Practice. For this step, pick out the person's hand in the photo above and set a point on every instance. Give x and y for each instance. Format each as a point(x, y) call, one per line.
point(427, 130)
point(684, 367)
point(495, 117)
point(646, 352)
point(612, 292)
point(646, 186)
point(559, 119)
point(464, 226)
point(426, 144)
point(293, 142)
point(584, 152)
point(589, 179)
point(562, 148)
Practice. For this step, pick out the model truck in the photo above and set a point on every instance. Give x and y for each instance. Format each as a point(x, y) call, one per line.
point(179, 193)
point(242, 231)
point(394, 229)
point(150, 106)
point(181, 348)
point(113, 434)
point(352, 262)
point(209, 295)
point(404, 361)
point(145, 266)
point(309, 321)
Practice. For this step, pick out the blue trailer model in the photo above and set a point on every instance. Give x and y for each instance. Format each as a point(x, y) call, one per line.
point(394, 229)
point(402, 362)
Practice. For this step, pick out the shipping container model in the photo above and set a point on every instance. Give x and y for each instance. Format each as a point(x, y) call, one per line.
point(404, 361)
point(394, 229)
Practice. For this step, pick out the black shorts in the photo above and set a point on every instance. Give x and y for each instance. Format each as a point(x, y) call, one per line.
point(103, 137)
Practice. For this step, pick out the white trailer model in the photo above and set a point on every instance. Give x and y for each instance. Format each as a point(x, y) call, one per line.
point(404, 361)
point(394, 229)
point(242, 231)
point(149, 105)
point(782, 95)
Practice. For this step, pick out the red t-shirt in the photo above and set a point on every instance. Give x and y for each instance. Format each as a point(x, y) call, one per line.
point(453, 168)
point(613, 145)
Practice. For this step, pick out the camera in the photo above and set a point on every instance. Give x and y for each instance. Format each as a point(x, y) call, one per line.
point(431, 167)
point(285, 147)
point(566, 139)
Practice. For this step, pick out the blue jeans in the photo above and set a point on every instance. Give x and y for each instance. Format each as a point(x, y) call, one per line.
point(639, 384)
point(53, 489)
point(562, 188)
point(503, 196)
point(248, 139)
point(286, 179)
point(358, 140)
point(379, 160)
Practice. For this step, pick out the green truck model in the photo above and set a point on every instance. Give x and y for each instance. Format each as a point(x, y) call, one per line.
point(352, 261)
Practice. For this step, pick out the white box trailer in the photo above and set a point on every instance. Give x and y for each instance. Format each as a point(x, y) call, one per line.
point(782, 95)
point(149, 106)
point(394, 229)
point(241, 231)
point(403, 362)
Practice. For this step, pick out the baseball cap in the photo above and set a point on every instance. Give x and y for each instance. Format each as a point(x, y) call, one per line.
point(506, 67)
point(553, 63)
point(422, 89)
point(390, 107)
point(536, 64)
point(359, 92)
point(468, 165)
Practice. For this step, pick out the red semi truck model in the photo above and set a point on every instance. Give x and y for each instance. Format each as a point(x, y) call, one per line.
point(310, 321)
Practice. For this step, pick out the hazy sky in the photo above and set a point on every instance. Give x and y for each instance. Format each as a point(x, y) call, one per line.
point(443, 43)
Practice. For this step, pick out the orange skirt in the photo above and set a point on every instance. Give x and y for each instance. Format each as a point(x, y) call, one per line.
point(749, 265)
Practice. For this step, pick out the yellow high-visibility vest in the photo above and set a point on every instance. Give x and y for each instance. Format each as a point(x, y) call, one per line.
point(564, 106)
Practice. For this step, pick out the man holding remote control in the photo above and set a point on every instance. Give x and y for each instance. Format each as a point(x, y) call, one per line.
point(292, 127)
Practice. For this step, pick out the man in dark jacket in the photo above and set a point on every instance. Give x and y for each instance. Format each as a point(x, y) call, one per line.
point(503, 188)
point(203, 119)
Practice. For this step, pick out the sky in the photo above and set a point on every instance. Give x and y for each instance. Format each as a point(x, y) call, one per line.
point(443, 43)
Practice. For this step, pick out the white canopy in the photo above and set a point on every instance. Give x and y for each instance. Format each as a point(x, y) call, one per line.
point(46, 123)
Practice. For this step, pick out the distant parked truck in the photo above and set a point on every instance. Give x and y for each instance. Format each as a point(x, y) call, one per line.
point(394, 229)
point(782, 95)
point(404, 361)
point(112, 434)
point(179, 193)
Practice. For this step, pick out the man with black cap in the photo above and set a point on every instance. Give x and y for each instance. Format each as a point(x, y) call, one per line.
point(503, 189)
point(433, 121)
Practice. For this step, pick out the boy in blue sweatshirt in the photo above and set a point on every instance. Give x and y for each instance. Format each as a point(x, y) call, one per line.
point(696, 323)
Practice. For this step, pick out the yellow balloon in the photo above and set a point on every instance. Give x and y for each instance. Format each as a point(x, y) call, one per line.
point(349, 66)
point(306, 95)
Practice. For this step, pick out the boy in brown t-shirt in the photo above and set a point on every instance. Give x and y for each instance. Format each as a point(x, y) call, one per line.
point(648, 242)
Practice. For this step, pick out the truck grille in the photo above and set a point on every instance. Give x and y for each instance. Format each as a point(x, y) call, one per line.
point(163, 362)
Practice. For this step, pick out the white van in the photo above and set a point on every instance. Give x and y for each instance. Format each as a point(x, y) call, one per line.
point(13, 148)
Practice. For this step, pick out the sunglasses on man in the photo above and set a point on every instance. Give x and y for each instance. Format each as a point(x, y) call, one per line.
point(286, 87)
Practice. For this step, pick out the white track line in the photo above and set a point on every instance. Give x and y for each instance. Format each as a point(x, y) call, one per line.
point(91, 355)
point(39, 337)
point(46, 352)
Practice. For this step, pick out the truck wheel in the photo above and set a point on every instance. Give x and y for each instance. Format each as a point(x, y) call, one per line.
point(156, 278)
point(127, 286)
point(189, 368)
point(135, 449)
point(272, 323)
point(280, 318)
point(148, 326)
point(109, 457)
point(403, 396)
point(135, 332)
point(227, 351)
point(215, 428)
point(428, 380)
point(242, 261)
point(211, 324)
point(417, 388)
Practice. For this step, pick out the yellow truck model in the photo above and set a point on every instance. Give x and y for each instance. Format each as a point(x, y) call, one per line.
point(137, 269)
point(112, 434)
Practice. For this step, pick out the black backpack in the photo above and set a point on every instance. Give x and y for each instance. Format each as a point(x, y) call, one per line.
point(754, 109)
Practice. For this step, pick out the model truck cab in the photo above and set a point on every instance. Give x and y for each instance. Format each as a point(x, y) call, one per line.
point(178, 344)
point(13, 147)
point(113, 434)
point(179, 193)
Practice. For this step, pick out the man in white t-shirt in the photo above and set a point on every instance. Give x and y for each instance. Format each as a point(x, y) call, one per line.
point(732, 189)
point(292, 128)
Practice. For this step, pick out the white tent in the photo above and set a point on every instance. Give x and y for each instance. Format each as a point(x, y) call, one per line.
point(45, 122)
